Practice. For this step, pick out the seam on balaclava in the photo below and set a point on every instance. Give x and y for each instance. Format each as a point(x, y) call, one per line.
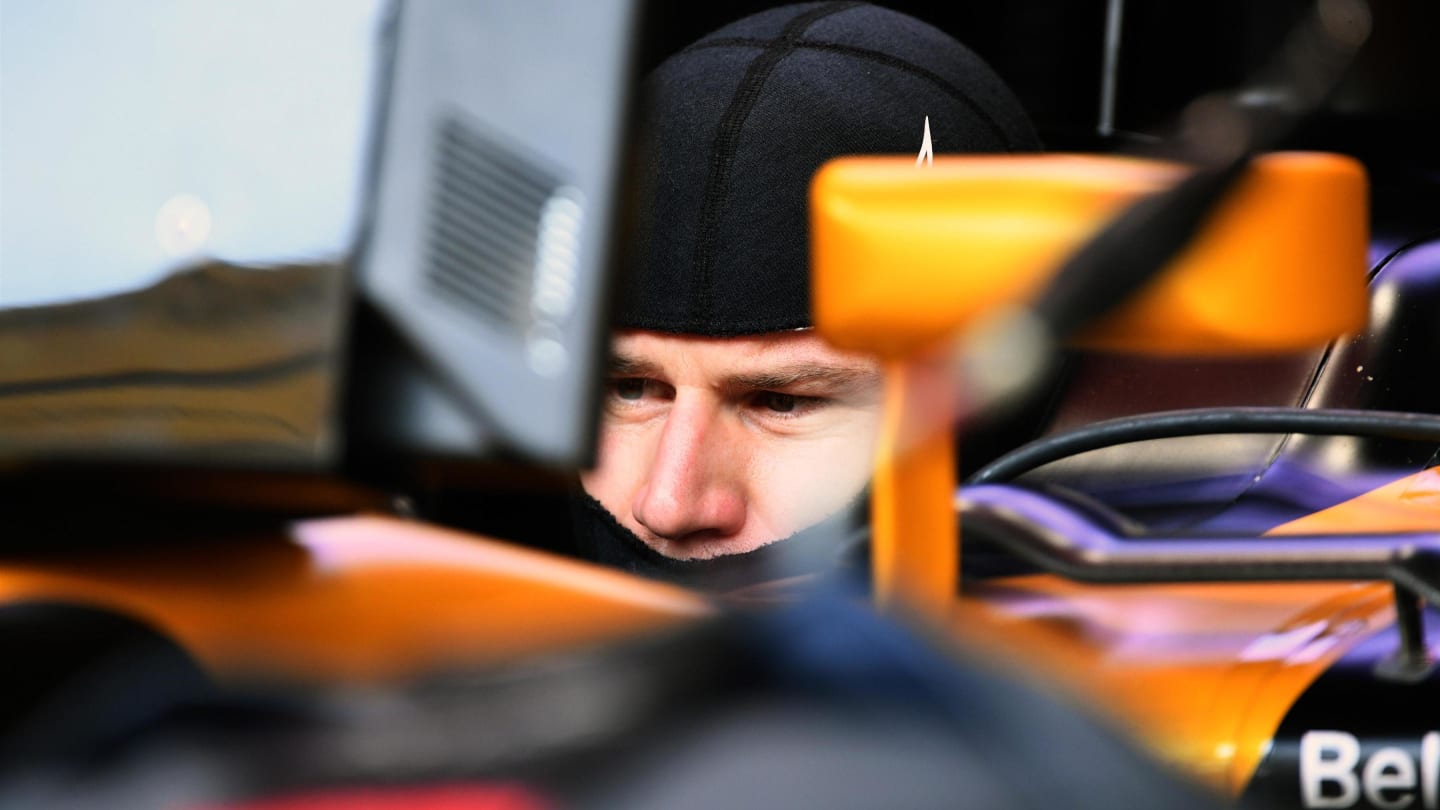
point(727, 138)
point(887, 60)
point(876, 57)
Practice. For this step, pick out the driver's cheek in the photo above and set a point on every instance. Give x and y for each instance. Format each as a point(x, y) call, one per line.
point(623, 455)
point(799, 481)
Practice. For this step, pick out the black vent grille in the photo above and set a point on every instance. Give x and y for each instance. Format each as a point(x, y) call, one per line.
point(485, 220)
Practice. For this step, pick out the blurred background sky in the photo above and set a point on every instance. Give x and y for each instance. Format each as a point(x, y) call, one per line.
point(137, 136)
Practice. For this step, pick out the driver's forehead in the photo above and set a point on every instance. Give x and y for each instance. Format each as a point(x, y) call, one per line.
point(687, 355)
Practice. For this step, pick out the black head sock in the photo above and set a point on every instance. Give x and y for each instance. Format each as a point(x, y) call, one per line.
point(735, 126)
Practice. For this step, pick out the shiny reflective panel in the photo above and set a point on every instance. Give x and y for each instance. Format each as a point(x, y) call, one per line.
point(181, 184)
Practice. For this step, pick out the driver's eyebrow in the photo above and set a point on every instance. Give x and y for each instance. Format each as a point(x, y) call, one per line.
point(624, 365)
point(816, 378)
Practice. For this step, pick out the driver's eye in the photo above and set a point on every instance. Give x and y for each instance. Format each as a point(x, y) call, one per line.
point(779, 403)
point(630, 388)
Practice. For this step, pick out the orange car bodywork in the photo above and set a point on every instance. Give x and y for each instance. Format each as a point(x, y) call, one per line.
point(359, 598)
point(1202, 673)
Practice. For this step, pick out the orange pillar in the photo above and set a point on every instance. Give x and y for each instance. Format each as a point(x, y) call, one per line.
point(915, 530)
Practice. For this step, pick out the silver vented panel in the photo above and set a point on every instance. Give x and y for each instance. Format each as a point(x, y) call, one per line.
point(486, 212)
point(493, 218)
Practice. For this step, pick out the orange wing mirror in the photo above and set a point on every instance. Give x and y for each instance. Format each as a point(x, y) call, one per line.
point(904, 258)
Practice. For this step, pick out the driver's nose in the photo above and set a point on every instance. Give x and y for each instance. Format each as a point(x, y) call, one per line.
point(694, 488)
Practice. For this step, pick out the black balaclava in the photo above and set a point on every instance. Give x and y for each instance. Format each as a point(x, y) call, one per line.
point(734, 126)
point(831, 544)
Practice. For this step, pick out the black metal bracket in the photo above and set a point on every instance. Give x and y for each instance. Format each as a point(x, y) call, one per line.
point(1416, 577)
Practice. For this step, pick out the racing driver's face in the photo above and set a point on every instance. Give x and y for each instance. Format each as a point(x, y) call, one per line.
point(716, 446)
